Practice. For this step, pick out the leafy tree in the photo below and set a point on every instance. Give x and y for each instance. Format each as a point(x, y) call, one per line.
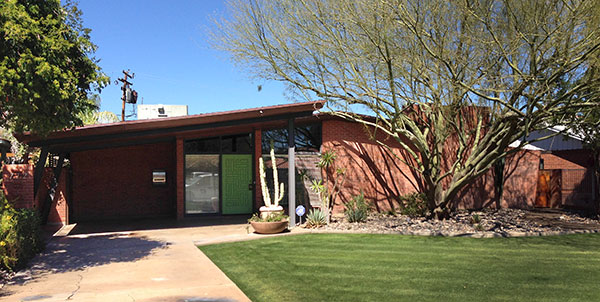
point(46, 66)
point(18, 149)
point(93, 117)
point(452, 82)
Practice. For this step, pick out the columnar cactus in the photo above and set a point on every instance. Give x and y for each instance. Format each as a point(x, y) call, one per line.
point(278, 187)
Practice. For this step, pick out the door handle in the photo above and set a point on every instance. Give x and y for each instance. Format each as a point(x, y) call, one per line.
point(250, 187)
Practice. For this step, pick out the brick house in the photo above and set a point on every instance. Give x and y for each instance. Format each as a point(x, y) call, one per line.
point(566, 176)
point(207, 165)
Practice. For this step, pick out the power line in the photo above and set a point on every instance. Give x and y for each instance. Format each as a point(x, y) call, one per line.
point(129, 95)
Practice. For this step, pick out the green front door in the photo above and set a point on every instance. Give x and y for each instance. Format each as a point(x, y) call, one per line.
point(236, 176)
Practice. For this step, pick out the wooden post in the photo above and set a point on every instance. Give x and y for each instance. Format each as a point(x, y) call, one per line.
point(52, 190)
point(39, 170)
point(124, 89)
point(292, 172)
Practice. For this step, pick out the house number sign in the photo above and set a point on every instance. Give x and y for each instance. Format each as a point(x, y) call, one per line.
point(300, 210)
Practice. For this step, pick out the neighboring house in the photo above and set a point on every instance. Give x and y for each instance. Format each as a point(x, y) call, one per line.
point(566, 169)
point(151, 111)
point(207, 164)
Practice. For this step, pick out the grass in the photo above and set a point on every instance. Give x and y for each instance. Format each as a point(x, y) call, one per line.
point(354, 267)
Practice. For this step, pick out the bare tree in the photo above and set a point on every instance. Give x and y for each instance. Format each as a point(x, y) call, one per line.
point(586, 126)
point(453, 82)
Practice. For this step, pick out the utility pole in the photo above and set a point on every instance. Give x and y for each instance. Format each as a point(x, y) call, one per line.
point(127, 98)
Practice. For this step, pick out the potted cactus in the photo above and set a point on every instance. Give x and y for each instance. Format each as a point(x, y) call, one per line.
point(271, 219)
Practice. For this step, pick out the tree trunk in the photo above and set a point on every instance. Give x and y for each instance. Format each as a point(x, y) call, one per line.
point(499, 181)
point(436, 203)
point(597, 180)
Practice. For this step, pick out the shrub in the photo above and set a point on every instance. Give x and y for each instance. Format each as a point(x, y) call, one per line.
point(20, 236)
point(357, 209)
point(275, 217)
point(413, 205)
point(316, 218)
point(475, 219)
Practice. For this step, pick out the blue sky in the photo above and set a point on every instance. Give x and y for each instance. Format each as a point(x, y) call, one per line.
point(165, 44)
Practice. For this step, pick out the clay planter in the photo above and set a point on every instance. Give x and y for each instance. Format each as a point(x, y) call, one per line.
point(269, 227)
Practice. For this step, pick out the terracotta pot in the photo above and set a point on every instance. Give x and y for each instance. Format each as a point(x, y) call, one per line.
point(269, 227)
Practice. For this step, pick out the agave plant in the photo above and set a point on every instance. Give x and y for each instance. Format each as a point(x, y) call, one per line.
point(316, 218)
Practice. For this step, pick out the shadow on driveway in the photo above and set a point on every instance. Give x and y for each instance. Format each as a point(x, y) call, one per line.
point(154, 224)
point(67, 254)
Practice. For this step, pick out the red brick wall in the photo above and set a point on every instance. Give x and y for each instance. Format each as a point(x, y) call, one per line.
point(18, 187)
point(520, 179)
point(59, 209)
point(17, 183)
point(568, 159)
point(477, 194)
point(369, 167)
point(117, 182)
point(382, 177)
point(576, 177)
point(520, 183)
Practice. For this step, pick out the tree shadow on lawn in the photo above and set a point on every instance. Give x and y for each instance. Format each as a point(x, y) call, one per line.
point(68, 254)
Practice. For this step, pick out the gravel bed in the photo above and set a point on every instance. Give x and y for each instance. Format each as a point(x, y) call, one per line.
point(483, 223)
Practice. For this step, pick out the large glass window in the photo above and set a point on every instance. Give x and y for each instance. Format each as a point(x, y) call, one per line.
point(308, 139)
point(202, 170)
point(201, 183)
point(237, 144)
point(207, 145)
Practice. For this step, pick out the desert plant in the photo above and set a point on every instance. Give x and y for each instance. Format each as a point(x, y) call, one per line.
point(420, 74)
point(357, 209)
point(332, 175)
point(391, 212)
point(278, 188)
point(316, 218)
point(475, 219)
point(413, 205)
point(274, 217)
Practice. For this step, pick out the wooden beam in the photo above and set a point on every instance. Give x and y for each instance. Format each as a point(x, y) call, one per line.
point(39, 170)
point(140, 133)
point(108, 145)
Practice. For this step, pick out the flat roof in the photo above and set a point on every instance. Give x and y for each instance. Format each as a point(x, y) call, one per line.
point(162, 126)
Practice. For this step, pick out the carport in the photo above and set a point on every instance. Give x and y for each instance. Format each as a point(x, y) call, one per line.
point(203, 164)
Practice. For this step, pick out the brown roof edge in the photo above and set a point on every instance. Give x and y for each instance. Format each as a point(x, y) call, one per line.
point(160, 123)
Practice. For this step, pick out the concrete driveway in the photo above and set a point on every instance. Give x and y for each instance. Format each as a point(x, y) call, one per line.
point(150, 261)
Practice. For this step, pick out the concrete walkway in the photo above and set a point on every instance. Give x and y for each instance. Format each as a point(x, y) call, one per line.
point(162, 264)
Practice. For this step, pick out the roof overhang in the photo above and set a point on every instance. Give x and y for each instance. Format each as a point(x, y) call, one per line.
point(153, 130)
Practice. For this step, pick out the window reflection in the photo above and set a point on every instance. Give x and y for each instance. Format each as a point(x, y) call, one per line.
point(308, 139)
point(201, 183)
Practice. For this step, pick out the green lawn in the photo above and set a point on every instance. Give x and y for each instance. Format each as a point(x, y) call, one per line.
point(351, 267)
